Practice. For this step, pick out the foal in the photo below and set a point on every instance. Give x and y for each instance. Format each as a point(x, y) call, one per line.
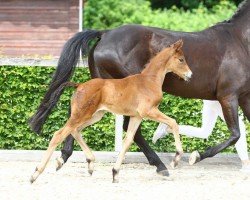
point(137, 96)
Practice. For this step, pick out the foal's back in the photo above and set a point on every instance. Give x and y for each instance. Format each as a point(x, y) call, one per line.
point(121, 96)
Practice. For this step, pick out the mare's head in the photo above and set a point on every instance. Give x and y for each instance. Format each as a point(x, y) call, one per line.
point(177, 63)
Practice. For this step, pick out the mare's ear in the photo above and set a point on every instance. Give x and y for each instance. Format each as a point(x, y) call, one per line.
point(178, 45)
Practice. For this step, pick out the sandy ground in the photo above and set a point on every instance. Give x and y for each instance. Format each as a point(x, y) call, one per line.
point(137, 181)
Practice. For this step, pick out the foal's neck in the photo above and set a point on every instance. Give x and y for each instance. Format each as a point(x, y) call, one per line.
point(156, 68)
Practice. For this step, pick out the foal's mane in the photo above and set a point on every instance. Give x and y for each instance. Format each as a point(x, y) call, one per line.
point(159, 58)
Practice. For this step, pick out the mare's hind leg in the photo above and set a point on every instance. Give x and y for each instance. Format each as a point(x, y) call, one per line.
point(245, 105)
point(128, 140)
point(67, 149)
point(57, 138)
point(158, 116)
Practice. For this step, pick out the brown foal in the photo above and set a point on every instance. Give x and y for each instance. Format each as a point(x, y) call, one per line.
point(137, 96)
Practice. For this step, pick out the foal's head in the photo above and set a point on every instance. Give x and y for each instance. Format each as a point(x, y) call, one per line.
point(177, 63)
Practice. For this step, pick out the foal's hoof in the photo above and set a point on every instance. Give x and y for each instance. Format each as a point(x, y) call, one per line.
point(34, 176)
point(90, 171)
point(173, 165)
point(115, 175)
point(59, 163)
point(194, 158)
point(32, 180)
point(163, 172)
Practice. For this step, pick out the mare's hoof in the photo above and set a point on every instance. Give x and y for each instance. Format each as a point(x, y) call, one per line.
point(163, 172)
point(115, 181)
point(59, 163)
point(194, 158)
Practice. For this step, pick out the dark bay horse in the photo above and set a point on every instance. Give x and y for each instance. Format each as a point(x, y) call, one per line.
point(218, 57)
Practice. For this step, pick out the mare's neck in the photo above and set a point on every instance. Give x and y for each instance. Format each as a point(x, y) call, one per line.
point(241, 22)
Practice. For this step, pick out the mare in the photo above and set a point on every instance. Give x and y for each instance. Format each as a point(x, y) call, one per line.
point(137, 96)
point(218, 57)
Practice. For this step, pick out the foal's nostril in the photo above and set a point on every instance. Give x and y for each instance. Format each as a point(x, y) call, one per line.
point(189, 74)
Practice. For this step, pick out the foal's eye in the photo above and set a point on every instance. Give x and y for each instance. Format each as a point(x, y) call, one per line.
point(181, 60)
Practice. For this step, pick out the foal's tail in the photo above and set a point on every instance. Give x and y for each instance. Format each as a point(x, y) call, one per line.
point(56, 94)
point(67, 62)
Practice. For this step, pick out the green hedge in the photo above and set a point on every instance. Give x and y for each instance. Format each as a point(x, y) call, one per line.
point(22, 88)
point(187, 4)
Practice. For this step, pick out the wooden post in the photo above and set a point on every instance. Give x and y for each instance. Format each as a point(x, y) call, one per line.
point(80, 15)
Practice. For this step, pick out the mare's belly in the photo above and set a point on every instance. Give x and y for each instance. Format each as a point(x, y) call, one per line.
point(197, 87)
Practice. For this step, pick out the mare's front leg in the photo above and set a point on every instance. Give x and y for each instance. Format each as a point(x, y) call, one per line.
point(152, 157)
point(134, 123)
point(229, 106)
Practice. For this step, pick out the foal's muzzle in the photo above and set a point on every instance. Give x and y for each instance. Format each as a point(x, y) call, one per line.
point(187, 76)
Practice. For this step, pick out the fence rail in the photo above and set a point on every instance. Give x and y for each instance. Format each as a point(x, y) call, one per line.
point(35, 62)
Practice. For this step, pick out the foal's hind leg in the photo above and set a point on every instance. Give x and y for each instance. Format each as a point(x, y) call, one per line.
point(57, 138)
point(96, 117)
point(158, 116)
point(152, 157)
point(128, 140)
point(78, 137)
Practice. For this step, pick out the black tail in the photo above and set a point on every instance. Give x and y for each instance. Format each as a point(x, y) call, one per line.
point(57, 93)
point(65, 68)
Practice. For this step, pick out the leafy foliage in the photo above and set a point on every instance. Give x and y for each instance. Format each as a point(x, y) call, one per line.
point(107, 14)
point(187, 4)
point(22, 88)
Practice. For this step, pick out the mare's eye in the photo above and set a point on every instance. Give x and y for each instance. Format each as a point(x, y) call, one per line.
point(181, 60)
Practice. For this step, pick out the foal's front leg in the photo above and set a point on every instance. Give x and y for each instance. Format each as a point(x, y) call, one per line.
point(128, 140)
point(158, 116)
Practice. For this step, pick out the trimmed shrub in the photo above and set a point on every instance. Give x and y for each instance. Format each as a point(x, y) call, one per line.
point(22, 89)
point(108, 14)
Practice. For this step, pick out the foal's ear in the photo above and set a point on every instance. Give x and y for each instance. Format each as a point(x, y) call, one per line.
point(177, 46)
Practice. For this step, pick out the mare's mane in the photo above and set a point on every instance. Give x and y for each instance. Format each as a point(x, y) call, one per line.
point(241, 9)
